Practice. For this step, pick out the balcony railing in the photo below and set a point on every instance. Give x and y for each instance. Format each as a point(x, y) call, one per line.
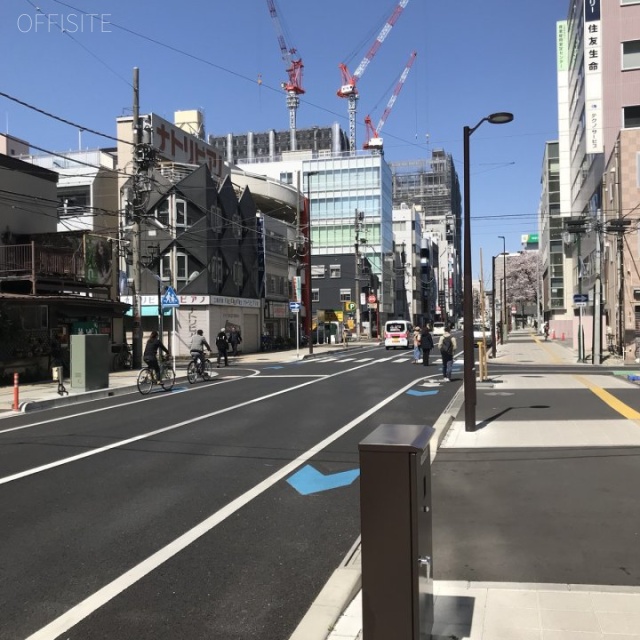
point(31, 262)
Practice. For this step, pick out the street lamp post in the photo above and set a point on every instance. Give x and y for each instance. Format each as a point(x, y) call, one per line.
point(503, 294)
point(469, 359)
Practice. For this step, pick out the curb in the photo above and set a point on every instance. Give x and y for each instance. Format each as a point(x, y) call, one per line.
point(346, 581)
point(98, 394)
point(341, 588)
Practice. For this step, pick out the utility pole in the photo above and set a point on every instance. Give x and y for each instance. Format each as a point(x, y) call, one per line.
point(493, 306)
point(143, 161)
point(596, 347)
point(135, 241)
point(619, 226)
point(359, 217)
point(578, 226)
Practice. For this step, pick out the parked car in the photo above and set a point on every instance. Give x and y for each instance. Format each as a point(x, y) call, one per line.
point(438, 328)
point(481, 333)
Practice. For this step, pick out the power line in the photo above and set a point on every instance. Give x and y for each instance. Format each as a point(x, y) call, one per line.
point(60, 119)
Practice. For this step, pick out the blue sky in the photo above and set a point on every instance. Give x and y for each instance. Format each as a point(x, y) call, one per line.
point(473, 58)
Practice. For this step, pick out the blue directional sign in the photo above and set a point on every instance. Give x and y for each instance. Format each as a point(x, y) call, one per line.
point(170, 299)
point(309, 480)
point(294, 307)
point(580, 297)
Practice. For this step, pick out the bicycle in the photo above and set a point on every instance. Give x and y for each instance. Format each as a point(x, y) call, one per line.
point(146, 377)
point(123, 359)
point(202, 369)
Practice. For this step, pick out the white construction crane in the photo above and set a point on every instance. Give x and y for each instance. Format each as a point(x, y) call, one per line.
point(294, 69)
point(349, 87)
point(374, 141)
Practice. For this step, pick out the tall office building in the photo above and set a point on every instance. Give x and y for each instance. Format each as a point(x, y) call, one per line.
point(599, 119)
point(340, 185)
point(432, 186)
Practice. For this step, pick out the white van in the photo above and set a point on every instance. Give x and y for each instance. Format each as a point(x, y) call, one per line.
point(398, 333)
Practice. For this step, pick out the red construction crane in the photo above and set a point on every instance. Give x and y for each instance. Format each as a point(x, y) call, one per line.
point(294, 69)
point(349, 87)
point(374, 141)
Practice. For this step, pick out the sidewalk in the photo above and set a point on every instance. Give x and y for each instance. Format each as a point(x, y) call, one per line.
point(503, 611)
point(44, 395)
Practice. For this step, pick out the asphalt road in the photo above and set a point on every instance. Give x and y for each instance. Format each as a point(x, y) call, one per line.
point(171, 516)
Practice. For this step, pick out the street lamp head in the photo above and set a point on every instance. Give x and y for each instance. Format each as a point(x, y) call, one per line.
point(502, 117)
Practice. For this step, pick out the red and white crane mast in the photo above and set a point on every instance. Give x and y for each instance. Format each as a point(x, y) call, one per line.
point(349, 87)
point(294, 70)
point(374, 141)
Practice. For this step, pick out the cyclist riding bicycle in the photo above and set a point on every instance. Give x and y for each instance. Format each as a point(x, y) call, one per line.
point(150, 355)
point(198, 345)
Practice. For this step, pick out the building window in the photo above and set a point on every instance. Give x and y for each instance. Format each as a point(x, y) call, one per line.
point(216, 270)
point(162, 213)
point(317, 271)
point(631, 117)
point(166, 268)
point(631, 55)
point(335, 271)
point(181, 214)
point(238, 273)
point(216, 219)
point(181, 268)
point(315, 295)
point(345, 295)
point(286, 178)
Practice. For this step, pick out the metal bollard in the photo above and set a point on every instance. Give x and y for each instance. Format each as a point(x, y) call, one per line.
point(16, 391)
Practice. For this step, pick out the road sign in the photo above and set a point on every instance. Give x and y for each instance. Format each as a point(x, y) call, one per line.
point(294, 307)
point(371, 299)
point(350, 306)
point(170, 299)
point(580, 299)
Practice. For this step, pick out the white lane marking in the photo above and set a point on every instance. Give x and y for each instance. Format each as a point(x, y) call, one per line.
point(364, 359)
point(101, 597)
point(148, 398)
point(293, 375)
point(121, 443)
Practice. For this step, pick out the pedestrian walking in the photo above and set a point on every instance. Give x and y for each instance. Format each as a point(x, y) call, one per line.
point(416, 345)
point(426, 343)
point(234, 340)
point(447, 345)
point(222, 344)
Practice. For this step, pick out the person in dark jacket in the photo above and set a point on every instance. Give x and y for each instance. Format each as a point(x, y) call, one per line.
point(426, 343)
point(447, 346)
point(222, 344)
point(234, 340)
point(150, 355)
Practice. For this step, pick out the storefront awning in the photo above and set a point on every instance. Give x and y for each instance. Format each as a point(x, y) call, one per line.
point(149, 311)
